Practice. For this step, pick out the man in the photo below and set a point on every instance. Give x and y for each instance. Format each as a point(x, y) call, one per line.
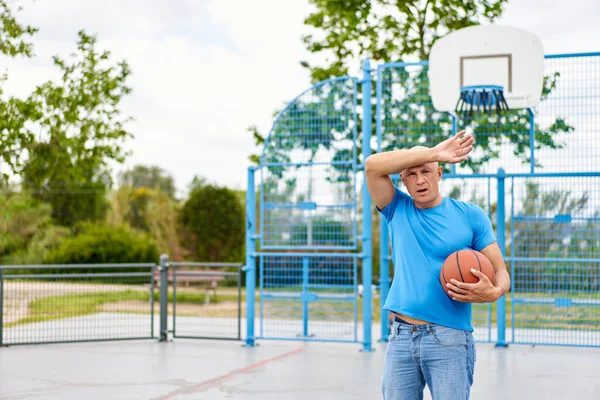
point(431, 341)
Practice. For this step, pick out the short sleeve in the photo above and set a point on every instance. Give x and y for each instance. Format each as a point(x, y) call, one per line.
point(483, 232)
point(389, 210)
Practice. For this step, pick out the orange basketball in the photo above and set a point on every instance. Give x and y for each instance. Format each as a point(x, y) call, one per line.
point(458, 266)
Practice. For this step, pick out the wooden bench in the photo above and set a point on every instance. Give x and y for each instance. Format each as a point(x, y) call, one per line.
point(210, 278)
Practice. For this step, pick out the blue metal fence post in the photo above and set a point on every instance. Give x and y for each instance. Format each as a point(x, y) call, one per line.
point(250, 267)
point(532, 139)
point(367, 267)
point(304, 295)
point(453, 133)
point(164, 296)
point(384, 276)
point(384, 265)
point(500, 234)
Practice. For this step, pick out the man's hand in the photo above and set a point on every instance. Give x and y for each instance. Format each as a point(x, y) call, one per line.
point(481, 292)
point(455, 149)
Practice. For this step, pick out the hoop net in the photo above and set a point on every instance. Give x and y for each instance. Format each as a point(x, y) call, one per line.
point(478, 99)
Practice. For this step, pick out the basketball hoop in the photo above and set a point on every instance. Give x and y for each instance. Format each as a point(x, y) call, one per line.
point(478, 99)
point(488, 68)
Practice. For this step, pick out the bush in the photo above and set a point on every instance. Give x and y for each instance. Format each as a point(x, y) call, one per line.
point(24, 222)
point(99, 244)
point(212, 223)
point(41, 243)
point(151, 211)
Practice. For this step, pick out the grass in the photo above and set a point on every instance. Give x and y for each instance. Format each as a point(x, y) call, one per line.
point(80, 304)
point(74, 305)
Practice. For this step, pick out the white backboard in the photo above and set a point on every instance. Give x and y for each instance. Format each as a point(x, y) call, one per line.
point(487, 55)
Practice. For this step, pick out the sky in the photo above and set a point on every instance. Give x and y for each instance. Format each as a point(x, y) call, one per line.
point(205, 70)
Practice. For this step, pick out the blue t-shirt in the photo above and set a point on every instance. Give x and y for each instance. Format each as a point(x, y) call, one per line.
point(421, 240)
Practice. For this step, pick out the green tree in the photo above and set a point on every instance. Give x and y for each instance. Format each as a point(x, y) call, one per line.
point(14, 112)
point(380, 30)
point(13, 34)
point(149, 210)
point(386, 30)
point(212, 224)
point(81, 132)
point(152, 177)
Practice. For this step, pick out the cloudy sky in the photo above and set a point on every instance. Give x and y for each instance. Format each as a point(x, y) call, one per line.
point(205, 70)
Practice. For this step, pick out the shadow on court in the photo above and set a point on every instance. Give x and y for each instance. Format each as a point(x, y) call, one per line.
point(192, 369)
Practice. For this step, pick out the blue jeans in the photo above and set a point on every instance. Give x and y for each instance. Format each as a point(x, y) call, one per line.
point(441, 357)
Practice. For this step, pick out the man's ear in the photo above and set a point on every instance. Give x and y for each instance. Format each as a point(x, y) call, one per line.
point(402, 177)
point(440, 172)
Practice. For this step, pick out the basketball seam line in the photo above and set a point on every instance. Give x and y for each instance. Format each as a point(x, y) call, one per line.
point(458, 266)
point(444, 275)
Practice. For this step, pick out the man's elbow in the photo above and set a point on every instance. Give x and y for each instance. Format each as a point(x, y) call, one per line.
point(370, 165)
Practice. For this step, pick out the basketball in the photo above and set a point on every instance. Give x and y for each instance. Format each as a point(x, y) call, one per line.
point(458, 266)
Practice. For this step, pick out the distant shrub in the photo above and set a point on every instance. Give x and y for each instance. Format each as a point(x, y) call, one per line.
point(212, 224)
point(99, 244)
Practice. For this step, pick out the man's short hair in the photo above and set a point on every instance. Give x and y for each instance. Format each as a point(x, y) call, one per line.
point(416, 147)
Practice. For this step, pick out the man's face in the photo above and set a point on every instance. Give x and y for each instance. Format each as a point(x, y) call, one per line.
point(422, 182)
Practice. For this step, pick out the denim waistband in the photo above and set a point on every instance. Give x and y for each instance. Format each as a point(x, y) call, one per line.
point(402, 324)
point(400, 320)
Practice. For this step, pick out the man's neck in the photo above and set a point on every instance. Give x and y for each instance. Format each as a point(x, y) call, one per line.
point(431, 204)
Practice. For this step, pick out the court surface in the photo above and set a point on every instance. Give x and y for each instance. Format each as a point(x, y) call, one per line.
point(208, 369)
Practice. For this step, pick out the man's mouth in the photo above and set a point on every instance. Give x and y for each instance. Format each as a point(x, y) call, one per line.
point(421, 190)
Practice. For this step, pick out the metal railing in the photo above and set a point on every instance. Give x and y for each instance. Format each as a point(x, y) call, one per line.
point(76, 303)
point(42, 304)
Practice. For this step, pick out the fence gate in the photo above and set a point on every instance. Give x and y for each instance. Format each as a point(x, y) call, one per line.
point(206, 299)
point(308, 218)
point(308, 296)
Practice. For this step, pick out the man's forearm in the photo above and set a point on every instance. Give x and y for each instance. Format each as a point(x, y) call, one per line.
point(393, 162)
point(502, 282)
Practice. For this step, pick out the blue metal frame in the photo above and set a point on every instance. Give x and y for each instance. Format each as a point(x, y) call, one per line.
point(512, 264)
point(365, 236)
point(307, 294)
point(572, 55)
point(531, 140)
point(501, 177)
point(367, 266)
point(384, 267)
point(250, 267)
point(501, 238)
point(355, 153)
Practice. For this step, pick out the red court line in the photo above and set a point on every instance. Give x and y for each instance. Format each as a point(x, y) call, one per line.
point(231, 374)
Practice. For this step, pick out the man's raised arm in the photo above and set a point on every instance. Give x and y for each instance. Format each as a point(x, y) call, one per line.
point(380, 166)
